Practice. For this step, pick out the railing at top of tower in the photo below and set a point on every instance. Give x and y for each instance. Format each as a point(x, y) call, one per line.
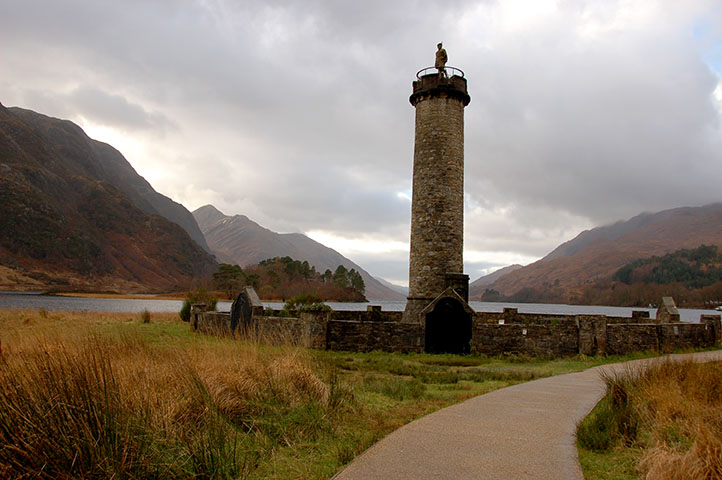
point(435, 71)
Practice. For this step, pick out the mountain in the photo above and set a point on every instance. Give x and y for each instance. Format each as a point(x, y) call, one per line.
point(70, 147)
point(242, 241)
point(76, 215)
point(477, 287)
point(596, 254)
point(396, 288)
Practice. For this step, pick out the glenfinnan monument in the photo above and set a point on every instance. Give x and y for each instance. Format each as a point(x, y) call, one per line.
point(438, 289)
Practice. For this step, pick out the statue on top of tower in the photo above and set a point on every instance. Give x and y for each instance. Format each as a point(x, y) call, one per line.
point(441, 59)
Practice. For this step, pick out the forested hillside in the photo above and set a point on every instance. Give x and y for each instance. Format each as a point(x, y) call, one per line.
point(281, 278)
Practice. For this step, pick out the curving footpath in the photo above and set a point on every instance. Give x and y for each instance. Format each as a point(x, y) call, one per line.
point(525, 431)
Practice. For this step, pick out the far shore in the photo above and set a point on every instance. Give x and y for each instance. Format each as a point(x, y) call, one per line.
point(123, 296)
point(138, 296)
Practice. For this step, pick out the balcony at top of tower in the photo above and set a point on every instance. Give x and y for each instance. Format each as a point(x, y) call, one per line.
point(434, 82)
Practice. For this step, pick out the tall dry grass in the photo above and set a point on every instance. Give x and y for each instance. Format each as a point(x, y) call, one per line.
point(681, 403)
point(671, 412)
point(79, 404)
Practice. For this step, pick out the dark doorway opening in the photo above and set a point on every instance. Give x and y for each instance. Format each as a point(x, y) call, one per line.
point(448, 328)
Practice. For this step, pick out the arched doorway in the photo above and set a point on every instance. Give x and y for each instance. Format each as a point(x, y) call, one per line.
point(448, 328)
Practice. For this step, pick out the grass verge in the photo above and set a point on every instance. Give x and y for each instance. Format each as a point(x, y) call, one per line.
point(661, 422)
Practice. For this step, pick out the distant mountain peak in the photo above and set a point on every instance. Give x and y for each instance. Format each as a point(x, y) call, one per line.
point(238, 239)
point(208, 214)
point(596, 254)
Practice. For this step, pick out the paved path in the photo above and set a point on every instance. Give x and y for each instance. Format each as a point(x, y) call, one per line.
point(521, 432)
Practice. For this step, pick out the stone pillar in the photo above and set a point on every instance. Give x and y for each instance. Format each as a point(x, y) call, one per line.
point(592, 334)
point(437, 211)
point(667, 311)
point(196, 310)
point(712, 323)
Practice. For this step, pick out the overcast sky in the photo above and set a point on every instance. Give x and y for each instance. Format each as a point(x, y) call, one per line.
point(296, 113)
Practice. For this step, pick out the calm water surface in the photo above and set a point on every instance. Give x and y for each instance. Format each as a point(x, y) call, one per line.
point(31, 300)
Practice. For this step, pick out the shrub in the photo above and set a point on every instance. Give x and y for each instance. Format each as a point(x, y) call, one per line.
point(200, 295)
point(304, 303)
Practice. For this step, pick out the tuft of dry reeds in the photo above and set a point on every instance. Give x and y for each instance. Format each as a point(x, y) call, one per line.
point(115, 406)
point(681, 403)
point(671, 411)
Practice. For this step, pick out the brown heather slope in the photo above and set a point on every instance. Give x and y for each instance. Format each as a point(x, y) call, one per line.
point(242, 241)
point(67, 223)
point(74, 150)
point(477, 287)
point(596, 254)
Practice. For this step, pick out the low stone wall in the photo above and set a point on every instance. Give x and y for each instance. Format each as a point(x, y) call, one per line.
point(211, 323)
point(684, 335)
point(631, 337)
point(512, 315)
point(367, 316)
point(508, 332)
point(307, 331)
point(560, 339)
point(368, 336)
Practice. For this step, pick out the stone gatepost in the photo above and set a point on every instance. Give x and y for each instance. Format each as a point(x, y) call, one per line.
point(246, 305)
point(592, 334)
point(196, 310)
point(712, 322)
point(667, 311)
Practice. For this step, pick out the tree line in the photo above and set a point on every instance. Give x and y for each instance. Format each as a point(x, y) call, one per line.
point(281, 278)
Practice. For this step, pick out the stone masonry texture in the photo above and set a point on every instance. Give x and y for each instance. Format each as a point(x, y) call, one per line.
point(437, 212)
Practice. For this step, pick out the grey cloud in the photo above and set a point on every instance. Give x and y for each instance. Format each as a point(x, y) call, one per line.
point(115, 110)
point(299, 111)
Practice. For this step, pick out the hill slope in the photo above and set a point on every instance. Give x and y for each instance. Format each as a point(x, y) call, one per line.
point(72, 149)
point(242, 241)
point(596, 254)
point(76, 215)
point(477, 287)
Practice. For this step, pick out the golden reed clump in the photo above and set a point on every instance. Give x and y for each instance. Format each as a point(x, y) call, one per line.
point(81, 402)
point(680, 405)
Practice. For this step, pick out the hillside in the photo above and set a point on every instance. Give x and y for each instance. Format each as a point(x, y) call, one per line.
point(477, 287)
point(595, 255)
point(239, 240)
point(77, 216)
point(73, 151)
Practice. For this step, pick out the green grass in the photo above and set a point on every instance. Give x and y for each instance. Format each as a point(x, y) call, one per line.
point(622, 465)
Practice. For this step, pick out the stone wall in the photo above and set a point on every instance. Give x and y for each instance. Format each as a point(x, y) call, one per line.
point(631, 337)
point(368, 336)
point(492, 333)
point(372, 314)
point(307, 331)
point(512, 315)
point(559, 340)
point(211, 323)
point(560, 335)
point(684, 335)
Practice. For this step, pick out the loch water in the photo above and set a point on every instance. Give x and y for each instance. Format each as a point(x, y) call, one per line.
point(33, 300)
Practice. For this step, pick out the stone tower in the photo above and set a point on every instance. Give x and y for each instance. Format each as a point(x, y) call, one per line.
point(437, 211)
